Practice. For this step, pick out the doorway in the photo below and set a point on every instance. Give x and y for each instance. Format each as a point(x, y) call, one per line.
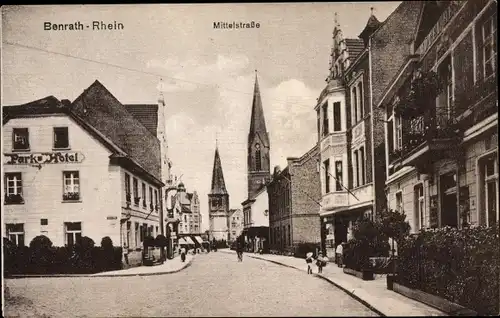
point(449, 210)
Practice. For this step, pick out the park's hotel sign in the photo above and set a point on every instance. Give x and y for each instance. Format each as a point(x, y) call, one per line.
point(42, 158)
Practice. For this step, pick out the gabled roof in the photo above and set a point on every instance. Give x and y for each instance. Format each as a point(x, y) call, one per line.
point(104, 112)
point(257, 120)
point(218, 184)
point(354, 47)
point(147, 114)
point(51, 106)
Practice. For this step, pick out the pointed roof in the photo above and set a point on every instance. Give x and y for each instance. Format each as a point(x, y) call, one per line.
point(372, 25)
point(218, 184)
point(257, 120)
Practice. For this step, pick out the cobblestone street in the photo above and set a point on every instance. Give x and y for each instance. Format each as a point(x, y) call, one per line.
point(214, 285)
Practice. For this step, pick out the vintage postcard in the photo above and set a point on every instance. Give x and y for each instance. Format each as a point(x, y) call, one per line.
point(250, 159)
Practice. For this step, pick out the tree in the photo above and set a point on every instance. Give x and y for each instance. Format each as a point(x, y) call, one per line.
point(393, 224)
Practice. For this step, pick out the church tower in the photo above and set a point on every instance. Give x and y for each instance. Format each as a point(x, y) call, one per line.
point(258, 164)
point(218, 202)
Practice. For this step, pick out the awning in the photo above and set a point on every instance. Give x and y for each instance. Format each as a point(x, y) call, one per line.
point(182, 241)
point(198, 239)
point(189, 240)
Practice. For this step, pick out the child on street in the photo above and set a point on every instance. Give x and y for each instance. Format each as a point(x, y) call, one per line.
point(309, 260)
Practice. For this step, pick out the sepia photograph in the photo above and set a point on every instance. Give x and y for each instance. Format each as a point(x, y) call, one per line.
point(282, 159)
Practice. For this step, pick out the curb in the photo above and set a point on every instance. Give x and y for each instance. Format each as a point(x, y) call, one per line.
point(348, 292)
point(98, 276)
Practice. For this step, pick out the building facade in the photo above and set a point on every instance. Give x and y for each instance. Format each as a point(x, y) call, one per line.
point(73, 170)
point(294, 196)
point(236, 223)
point(218, 203)
point(256, 221)
point(441, 112)
point(350, 129)
point(255, 207)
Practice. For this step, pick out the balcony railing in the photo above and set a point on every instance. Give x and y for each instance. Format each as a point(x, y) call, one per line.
point(13, 199)
point(428, 128)
point(479, 101)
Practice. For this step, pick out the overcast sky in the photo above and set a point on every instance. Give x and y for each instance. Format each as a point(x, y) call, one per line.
point(207, 73)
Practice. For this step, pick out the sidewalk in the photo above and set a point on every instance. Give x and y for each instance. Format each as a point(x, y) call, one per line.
point(169, 267)
point(374, 294)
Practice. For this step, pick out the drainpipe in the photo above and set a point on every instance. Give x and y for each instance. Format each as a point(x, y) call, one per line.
point(374, 205)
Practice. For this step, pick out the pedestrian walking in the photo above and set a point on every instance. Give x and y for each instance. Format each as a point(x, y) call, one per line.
point(183, 254)
point(319, 263)
point(239, 249)
point(339, 253)
point(309, 260)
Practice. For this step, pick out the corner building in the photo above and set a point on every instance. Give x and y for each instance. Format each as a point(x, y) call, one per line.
point(442, 146)
point(80, 169)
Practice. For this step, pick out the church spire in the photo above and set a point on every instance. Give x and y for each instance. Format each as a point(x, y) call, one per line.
point(257, 121)
point(218, 184)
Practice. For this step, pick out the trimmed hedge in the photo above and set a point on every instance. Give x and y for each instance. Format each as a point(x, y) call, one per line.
point(461, 266)
point(47, 259)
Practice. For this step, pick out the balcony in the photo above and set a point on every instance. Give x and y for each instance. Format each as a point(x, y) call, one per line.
point(343, 200)
point(426, 138)
point(479, 103)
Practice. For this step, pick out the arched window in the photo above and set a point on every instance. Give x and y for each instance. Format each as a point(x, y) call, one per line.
point(258, 160)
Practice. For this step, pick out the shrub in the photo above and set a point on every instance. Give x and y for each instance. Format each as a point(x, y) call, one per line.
point(87, 243)
point(461, 266)
point(368, 241)
point(106, 243)
point(149, 241)
point(161, 241)
point(40, 242)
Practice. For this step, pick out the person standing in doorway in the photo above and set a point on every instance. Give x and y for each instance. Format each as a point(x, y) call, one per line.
point(339, 252)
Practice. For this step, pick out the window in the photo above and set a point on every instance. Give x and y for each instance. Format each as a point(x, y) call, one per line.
point(13, 188)
point(258, 159)
point(137, 234)
point(325, 119)
point(489, 30)
point(129, 228)
point(399, 201)
point(489, 183)
point(398, 131)
point(356, 169)
point(156, 199)
point(338, 175)
point(318, 123)
point(44, 222)
point(73, 233)
point(144, 195)
point(71, 185)
point(136, 191)
point(337, 125)
point(362, 165)
point(127, 186)
point(419, 214)
point(361, 106)
point(15, 232)
point(445, 99)
point(20, 139)
point(61, 139)
point(390, 135)
point(327, 175)
point(151, 198)
point(354, 106)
